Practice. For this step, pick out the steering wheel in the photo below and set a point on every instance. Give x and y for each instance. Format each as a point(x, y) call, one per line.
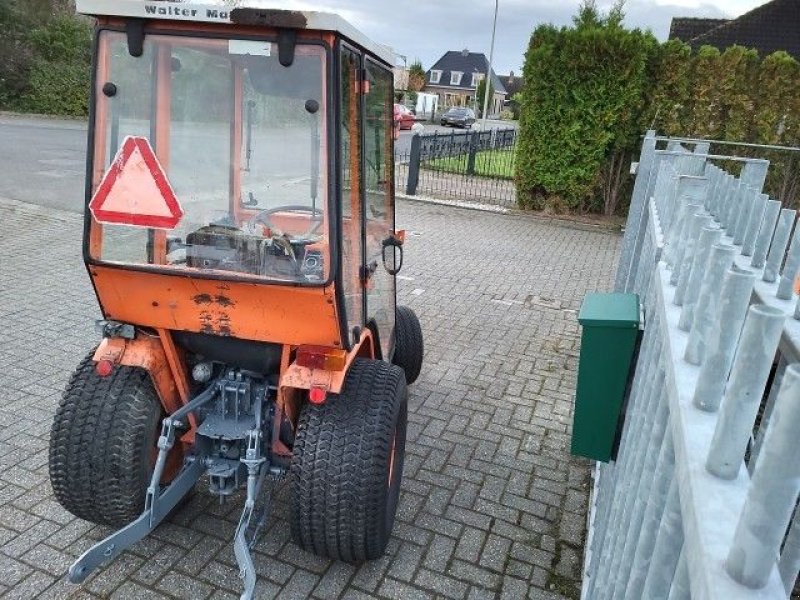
point(316, 214)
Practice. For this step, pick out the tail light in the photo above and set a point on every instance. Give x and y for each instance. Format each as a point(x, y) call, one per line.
point(320, 357)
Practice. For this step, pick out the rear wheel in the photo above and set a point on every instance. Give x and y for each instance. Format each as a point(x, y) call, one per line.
point(409, 348)
point(102, 443)
point(348, 463)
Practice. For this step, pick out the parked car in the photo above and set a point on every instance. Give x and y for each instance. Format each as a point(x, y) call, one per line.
point(458, 117)
point(403, 116)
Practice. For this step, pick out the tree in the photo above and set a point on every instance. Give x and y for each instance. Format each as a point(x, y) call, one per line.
point(480, 94)
point(582, 111)
point(416, 76)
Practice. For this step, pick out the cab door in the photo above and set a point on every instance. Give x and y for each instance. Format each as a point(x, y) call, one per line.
point(378, 202)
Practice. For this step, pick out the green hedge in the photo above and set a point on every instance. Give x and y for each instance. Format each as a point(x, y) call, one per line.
point(581, 110)
point(47, 57)
point(592, 89)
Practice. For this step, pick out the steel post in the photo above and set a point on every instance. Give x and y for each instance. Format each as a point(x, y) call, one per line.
point(790, 269)
point(771, 214)
point(778, 249)
point(699, 221)
point(734, 299)
point(751, 369)
point(754, 225)
point(680, 589)
point(705, 314)
point(666, 553)
point(772, 494)
point(709, 236)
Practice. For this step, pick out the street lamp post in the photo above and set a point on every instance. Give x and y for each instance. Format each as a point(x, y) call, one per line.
point(488, 80)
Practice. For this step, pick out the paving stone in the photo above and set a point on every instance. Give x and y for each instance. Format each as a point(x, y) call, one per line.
point(183, 586)
point(489, 494)
point(397, 590)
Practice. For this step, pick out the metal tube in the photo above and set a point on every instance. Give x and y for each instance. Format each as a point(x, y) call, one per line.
point(719, 261)
point(771, 215)
point(640, 499)
point(772, 494)
point(769, 408)
point(786, 285)
point(789, 565)
point(778, 248)
point(656, 503)
point(645, 393)
point(727, 325)
point(699, 221)
point(756, 218)
point(683, 240)
point(709, 236)
point(751, 368)
point(675, 219)
point(666, 553)
point(748, 199)
point(680, 589)
point(731, 206)
point(624, 498)
point(723, 199)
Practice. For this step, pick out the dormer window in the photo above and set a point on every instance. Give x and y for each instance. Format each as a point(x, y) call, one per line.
point(476, 78)
point(436, 76)
point(455, 77)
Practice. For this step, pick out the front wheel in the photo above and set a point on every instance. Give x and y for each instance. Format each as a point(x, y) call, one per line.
point(409, 347)
point(347, 465)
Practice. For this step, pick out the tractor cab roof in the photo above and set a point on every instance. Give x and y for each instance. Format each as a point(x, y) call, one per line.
point(233, 12)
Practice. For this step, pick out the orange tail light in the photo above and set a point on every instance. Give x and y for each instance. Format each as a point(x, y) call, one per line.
point(320, 357)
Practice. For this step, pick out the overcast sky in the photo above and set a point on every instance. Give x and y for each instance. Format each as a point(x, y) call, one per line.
point(426, 29)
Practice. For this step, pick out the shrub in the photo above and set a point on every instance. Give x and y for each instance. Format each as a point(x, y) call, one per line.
point(58, 88)
point(670, 99)
point(581, 111)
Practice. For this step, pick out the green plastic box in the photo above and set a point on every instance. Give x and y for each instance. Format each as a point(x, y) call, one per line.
point(608, 345)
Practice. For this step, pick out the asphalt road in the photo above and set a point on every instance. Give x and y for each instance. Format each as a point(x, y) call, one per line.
point(42, 161)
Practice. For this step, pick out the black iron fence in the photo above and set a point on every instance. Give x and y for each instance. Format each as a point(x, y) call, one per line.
point(469, 166)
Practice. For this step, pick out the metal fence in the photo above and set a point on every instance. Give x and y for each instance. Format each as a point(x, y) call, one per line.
point(702, 500)
point(466, 166)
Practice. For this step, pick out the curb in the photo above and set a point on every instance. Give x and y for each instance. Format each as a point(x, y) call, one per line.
point(54, 214)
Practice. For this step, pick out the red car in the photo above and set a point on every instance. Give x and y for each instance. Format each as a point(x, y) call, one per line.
point(403, 116)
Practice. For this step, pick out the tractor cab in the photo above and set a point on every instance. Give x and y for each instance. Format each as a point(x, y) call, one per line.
point(240, 236)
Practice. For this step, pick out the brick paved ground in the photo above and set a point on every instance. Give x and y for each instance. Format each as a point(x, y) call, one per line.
point(492, 506)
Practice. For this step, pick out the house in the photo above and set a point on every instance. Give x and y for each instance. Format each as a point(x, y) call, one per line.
point(768, 28)
point(455, 78)
point(512, 83)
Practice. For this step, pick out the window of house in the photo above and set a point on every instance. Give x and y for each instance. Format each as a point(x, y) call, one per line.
point(436, 76)
point(455, 78)
point(476, 78)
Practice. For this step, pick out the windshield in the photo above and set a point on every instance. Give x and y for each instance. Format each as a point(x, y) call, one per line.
point(241, 140)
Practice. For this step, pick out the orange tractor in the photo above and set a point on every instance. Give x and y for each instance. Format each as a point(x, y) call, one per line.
point(240, 236)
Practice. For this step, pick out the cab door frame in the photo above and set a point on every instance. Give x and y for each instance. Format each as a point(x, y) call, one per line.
point(366, 320)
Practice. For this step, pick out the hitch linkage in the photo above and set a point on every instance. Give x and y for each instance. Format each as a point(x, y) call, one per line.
point(159, 502)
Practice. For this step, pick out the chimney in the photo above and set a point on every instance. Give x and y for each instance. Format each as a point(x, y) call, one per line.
point(465, 52)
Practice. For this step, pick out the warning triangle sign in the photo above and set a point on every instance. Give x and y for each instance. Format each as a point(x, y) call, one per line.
point(135, 190)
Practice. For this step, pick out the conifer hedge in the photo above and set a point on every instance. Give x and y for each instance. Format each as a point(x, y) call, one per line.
point(592, 89)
